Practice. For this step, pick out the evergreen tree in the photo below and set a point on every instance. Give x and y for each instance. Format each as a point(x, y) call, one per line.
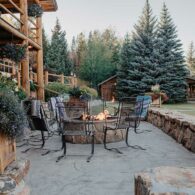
point(97, 65)
point(141, 67)
point(74, 59)
point(191, 58)
point(122, 86)
point(170, 59)
point(57, 57)
point(45, 48)
point(81, 48)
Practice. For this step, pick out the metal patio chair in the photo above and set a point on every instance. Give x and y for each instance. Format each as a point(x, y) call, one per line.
point(128, 116)
point(74, 121)
point(38, 121)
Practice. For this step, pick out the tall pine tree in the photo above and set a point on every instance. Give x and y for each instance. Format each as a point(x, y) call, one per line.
point(45, 48)
point(141, 66)
point(57, 56)
point(170, 59)
point(122, 86)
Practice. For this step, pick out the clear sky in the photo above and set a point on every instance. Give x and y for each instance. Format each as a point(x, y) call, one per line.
point(85, 15)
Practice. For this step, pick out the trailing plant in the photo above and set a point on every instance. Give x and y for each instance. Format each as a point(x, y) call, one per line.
point(12, 117)
point(13, 52)
point(32, 86)
point(35, 10)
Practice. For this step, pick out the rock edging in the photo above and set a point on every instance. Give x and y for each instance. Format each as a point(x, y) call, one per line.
point(179, 126)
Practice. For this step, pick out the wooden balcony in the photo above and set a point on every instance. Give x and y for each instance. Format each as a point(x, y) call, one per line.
point(16, 27)
point(11, 22)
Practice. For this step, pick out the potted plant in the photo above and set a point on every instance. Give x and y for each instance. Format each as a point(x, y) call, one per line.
point(157, 95)
point(35, 10)
point(12, 124)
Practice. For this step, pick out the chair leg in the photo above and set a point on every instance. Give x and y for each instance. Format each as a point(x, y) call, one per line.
point(64, 147)
point(43, 139)
point(132, 146)
point(92, 149)
point(105, 146)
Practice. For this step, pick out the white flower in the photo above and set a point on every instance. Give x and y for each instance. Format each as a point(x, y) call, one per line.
point(16, 89)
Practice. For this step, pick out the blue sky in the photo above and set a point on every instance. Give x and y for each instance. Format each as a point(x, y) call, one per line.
point(84, 15)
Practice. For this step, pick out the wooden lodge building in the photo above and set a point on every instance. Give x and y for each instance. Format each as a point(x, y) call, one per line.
point(27, 32)
point(107, 88)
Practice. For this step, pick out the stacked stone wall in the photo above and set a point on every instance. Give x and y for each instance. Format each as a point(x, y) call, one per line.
point(179, 126)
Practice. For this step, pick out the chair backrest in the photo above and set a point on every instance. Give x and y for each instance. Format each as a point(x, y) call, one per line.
point(130, 110)
point(147, 100)
point(35, 115)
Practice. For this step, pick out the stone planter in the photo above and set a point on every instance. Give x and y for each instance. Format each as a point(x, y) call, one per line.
point(7, 151)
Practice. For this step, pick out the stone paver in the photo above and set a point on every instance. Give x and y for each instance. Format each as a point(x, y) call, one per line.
point(108, 172)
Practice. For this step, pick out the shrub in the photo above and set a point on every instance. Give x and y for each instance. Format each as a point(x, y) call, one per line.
point(91, 91)
point(59, 88)
point(7, 83)
point(12, 117)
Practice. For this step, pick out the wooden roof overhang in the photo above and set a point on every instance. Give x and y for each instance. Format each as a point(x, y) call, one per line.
point(47, 5)
point(191, 80)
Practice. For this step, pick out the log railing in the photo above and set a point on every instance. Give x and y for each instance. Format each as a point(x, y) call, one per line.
point(15, 21)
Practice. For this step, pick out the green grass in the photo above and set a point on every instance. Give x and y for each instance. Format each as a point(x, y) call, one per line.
point(187, 108)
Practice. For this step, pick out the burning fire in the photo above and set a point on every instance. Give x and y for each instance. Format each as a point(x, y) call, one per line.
point(102, 115)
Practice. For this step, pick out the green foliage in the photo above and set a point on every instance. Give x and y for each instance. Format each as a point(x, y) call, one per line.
point(100, 57)
point(21, 94)
point(12, 117)
point(56, 87)
point(138, 69)
point(35, 10)
point(170, 59)
point(76, 92)
point(57, 56)
point(46, 46)
point(32, 86)
point(7, 83)
point(92, 92)
point(13, 52)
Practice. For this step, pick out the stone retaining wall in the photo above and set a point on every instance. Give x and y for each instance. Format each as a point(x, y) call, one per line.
point(12, 181)
point(179, 126)
point(165, 181)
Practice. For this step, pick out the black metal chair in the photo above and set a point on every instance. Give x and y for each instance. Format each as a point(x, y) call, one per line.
point(38, 121)
point(75, 121)
point(128, 116)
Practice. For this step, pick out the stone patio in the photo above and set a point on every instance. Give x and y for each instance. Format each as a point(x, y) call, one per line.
point(108, 172)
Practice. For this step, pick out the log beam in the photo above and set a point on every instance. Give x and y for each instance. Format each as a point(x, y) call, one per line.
point(40, 77)
point(25, 62)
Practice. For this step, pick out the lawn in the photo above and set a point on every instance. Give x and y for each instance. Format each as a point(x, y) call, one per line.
point(187, 108)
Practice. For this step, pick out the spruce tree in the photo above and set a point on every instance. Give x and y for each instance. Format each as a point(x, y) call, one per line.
point(57, 57)
point(141, 66)
point(45, 48)
point(191, 58)
point(122, 86)
point(172, 78)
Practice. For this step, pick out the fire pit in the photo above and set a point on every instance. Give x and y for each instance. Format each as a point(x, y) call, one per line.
point(112, 136)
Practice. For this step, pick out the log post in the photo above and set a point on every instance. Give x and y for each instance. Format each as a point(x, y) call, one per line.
point(19, 75)
point(25, 62)
point(40, 79)
point(13, 69)
point(46, 77)
point(62, 78)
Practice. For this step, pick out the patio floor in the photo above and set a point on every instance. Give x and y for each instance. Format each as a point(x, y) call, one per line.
point(108, 172)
